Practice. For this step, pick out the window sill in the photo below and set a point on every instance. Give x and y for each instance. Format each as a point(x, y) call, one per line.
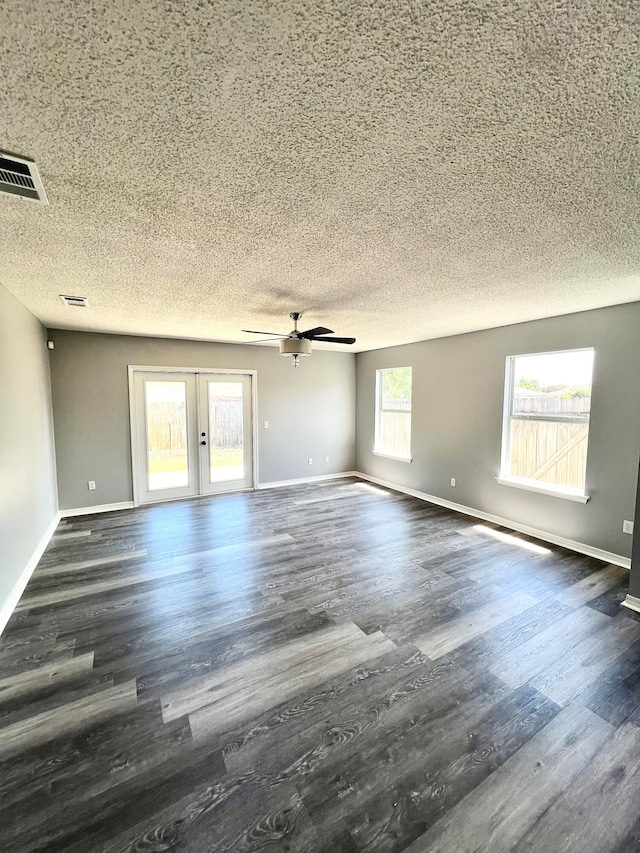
point(395, 456)
point(548, 489)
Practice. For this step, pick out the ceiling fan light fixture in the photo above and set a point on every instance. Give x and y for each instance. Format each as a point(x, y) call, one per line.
point(295, 347)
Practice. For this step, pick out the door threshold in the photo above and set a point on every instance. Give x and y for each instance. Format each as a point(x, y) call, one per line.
point(196, 497)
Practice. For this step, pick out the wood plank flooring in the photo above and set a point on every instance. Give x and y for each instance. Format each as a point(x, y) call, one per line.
point(330, 667)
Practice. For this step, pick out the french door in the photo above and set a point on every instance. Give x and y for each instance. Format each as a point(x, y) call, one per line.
point(192, 434)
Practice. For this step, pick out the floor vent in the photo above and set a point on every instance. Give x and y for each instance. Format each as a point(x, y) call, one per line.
point(75, 301)
point(19, 176)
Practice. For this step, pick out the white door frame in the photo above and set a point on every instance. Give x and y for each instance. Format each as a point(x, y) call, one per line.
point(132, 369)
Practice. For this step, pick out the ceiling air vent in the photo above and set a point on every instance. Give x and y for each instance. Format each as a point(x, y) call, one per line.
point(19, 176)
point(75, 301)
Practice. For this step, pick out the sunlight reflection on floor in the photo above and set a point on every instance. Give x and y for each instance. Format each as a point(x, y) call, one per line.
point(511, 540)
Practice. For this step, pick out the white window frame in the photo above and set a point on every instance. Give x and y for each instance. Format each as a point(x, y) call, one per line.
point(377, 449)
point(505, 478)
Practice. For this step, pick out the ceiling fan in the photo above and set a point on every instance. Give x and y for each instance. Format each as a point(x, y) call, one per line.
point(298, 343)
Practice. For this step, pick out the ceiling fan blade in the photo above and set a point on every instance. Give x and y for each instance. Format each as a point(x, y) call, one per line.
point(334, 340)
point(319, 330)
point(253, 332)
point(267, 340)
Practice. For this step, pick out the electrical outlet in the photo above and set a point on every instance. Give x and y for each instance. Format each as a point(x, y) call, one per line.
point(310, 461)
point(627, 526)
point(453, 481)
point(326, 458)
point(91, 484)
point(266, 424)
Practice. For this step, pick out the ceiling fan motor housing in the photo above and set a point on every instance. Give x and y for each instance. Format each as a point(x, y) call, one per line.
point(295, 346)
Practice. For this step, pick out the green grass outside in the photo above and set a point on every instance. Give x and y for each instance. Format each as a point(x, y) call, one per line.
point(164, 462)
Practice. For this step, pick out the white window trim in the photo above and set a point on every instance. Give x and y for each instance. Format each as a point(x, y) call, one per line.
point(378, 410)
point(506, 479)
point(546, 489)
point(395, 456)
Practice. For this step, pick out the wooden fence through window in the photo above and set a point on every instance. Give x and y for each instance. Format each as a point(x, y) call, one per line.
point(166, 425)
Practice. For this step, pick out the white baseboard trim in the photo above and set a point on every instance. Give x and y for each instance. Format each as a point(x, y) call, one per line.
point(275, 484)
point(572, 545)
point(9, 605)
point(91, 510)
point(632, 603)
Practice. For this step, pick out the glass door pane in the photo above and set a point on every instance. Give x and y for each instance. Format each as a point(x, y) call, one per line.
point(226, 431)
point(166, 425)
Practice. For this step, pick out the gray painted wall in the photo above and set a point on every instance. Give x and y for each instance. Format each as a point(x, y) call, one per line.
point(458, 386)
point(310, 410)
point(28, 501)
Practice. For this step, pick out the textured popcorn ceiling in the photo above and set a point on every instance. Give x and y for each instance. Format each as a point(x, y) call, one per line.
point(397, 170)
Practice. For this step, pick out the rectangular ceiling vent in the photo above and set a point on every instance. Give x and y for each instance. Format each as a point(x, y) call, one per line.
point(20, 177)
point(75, 301)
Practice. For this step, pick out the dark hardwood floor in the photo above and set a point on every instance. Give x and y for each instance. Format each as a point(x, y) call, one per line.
point(329, 667)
